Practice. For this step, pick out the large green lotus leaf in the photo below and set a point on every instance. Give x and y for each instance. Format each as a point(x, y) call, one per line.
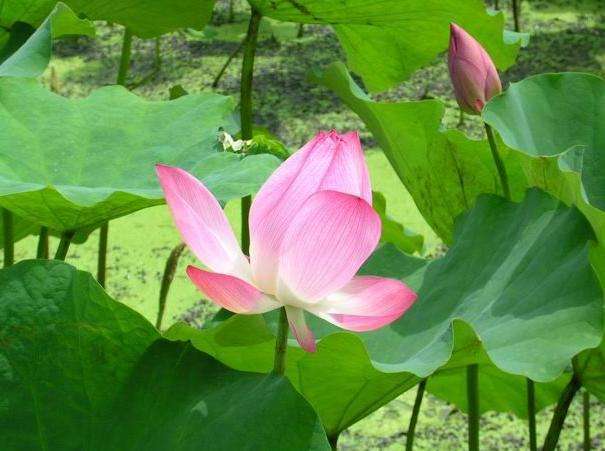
point(549, 114)
point(515, 293)
point(386, 40)
point(146, 18)
point(75, 163)
point(443, 171)
point(64, 348)
point(80, 371)
point(339, 380)
point(519, 274)
point(31, 59)
point(205, 405)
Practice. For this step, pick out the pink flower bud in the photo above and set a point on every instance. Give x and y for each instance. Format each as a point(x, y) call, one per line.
point(472, 71)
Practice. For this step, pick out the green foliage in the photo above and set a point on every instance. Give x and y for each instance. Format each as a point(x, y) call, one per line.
point(518, 275)
point(387, 40)
point(82, 371)
point(444, 171)
point(146, 18)
point(31, 59)
point(86, 161)
point(393, 232)
point(552, 114)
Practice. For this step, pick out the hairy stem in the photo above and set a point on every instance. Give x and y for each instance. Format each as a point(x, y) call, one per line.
point(333, 439)
point(409, 443)
point(246, 109)
point(531, 414)
point(281, 343)
point(102, 254)
point(66, 238)
point(125, 58)
point(42, 251)
point(517, 14)
point(498, 161)
point(221, 72)
point(104, 231)
point(587, 445)
point(472, 394)
point(558, 418)
point(9, 243)
point(169, 272)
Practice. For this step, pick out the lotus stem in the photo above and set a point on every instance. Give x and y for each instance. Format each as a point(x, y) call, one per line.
point(231, 11)
point(409, 443)
point(9, 243)
point(42, 251)
point(125, 57)
point(157, 63)
point(587, 445)
point(66, 238)
point(246, 109)
point(498, 161)
point(517, 14)
point(281, 343)
point(104, 232)
point(233, 54)
point(102, 255)
point(333, 440)
point(472, 394)
point(169, 272)
point(558, 418)
point(531, 414)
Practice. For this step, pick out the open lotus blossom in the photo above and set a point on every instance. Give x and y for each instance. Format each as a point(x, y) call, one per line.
point(472, 71)
point(311, 228)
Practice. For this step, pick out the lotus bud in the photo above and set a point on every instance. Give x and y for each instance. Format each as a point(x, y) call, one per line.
point(472, 71)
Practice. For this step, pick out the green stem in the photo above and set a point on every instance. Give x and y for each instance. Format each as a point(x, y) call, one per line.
point(531, 414)
point(42, 251)
point(157, 63)
point(246, 108)
point(167, 278)
point(517, 14)
point(9, 244)
point(102, 255)
point(104, 231)
point(233, 54)
point(586, 415)
point(231, 11)
point(558, 418)
point(472, 394)
point(125, 57)
point(66, 238)
point(409, 443)
point(498, 161)
point(333, 440)
point(281, 343)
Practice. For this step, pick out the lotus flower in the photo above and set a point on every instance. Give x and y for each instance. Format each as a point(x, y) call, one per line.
point(311, 226)
point(472, 71)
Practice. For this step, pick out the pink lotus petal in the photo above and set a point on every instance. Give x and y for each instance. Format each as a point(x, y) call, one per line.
point(300, 330)
point(328, 240)
point(366, 303)
point(329, 162)
point(202, 223)
point(236, 295)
